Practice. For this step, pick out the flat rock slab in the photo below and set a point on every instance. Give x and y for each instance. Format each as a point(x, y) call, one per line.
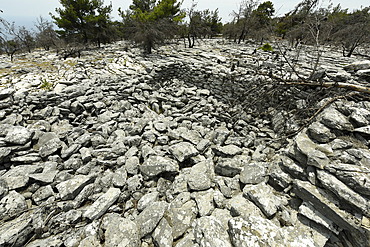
point(322, 204)
point(18, 135)
point(208, 231)
point(101, 205)
point(332, 118)
point(228, 150)
point(156, 165)
point(183, 151)
point(263, 196)
point(201, 175)
point(343, 192)
point(11, 205)
point(231, 166)
point(71, 188)
point(16, 232)
point(149, 218)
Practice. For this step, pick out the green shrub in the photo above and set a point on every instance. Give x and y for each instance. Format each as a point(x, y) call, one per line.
point(46, 85)
point(266, 47)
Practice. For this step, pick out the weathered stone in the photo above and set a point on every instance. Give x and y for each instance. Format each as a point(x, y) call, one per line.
point(119, 177)
point(262, 195)
point(187, 241)
point(3, 188)
point(231, 166)
point(312, 153)
point(44, 177)
point(320, 132)
point(321, 202)
point(254, 173)
point(50, 147)
point(147, 200)
point(90, 241)
point(55, 241)
point(257, 231)
point(311, 213)
point(71, 188)
point(42, 194)
point(18, 135)
point(6, 92)
point(17, 231)
point(12, 205)
point(208, 231)
point(162, 234)
point(277, 177)
point(132, 165)
point(183, 151)
point(101, 205)
point(156, 165)
point(332, 118)
point(16, 182)
point(229, 150)
point(4, 153)
point(360, 117)
point(344, 193)
point(148, 219)
point(181, 217)
point(204, 200)
point(201, 175)
point(120, 231)
point(354, 176)
point(239, 206)
point(363, 130)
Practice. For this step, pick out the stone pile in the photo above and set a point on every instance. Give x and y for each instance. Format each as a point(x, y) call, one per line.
point(132, 153)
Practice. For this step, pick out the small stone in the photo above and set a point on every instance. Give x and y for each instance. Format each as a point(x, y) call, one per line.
point(71, 188)
point(227, 151)
point(156, 165)
point(181, 217)
point(18, 135)
point(208, 231)
point(162, 234)
point(120, 231)
point(147, 200)
point(12, 205)
point(231, 166)
point(201, 175)
point(254, 173)
point(42, 194)
point(204, 200)
point(101, 205)
point(148, 219)
point(183, 151)
point(262, 195)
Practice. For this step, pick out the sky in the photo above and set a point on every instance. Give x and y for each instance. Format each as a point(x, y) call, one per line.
point(25, 12)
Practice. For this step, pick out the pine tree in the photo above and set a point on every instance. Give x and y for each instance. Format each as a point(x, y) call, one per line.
point(84, 20)
point(150, 22)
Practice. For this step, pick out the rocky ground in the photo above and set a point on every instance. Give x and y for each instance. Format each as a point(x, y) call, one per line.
point(186, 147)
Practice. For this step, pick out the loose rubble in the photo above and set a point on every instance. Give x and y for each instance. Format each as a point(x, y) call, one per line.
point(128, 150)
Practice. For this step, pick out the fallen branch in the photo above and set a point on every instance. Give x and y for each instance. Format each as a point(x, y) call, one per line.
point(348, 86)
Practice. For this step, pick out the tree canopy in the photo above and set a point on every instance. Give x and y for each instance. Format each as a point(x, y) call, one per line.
point(83, 20)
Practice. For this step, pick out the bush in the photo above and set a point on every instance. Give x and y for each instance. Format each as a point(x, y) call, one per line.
point(266, 47)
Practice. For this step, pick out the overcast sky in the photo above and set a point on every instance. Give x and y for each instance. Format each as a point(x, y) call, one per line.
point(25, 12)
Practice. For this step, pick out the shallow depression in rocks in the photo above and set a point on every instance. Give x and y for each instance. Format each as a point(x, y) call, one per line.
point(128, 150)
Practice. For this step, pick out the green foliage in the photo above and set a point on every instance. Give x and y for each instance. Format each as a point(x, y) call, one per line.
point(84, 20)
point(266, 47)
point(149, 22)
point(45, 85)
